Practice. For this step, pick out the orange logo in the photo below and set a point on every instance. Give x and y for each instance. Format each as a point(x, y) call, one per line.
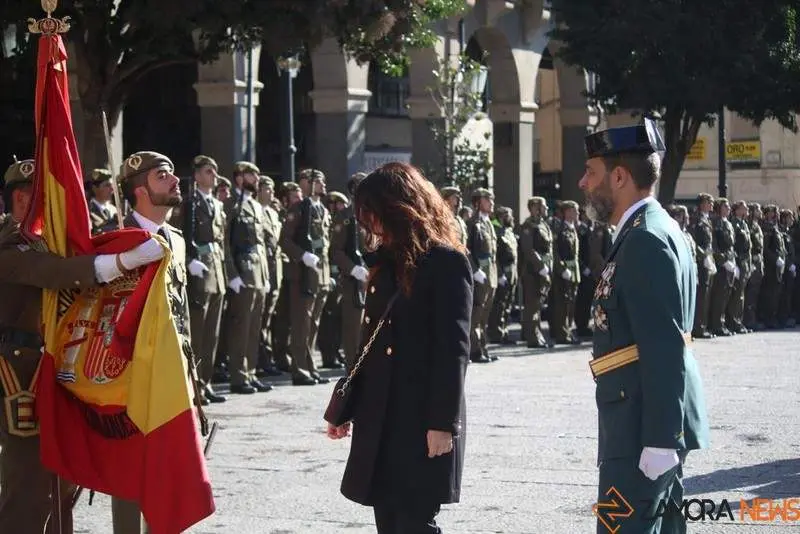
point(611, 511)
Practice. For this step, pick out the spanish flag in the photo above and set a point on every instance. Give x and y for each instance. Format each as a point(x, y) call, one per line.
point(113, 396)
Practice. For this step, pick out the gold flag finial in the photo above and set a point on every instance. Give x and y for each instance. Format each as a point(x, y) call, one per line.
point(49, 25)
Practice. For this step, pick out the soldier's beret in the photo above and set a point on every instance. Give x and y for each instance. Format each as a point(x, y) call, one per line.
point(19, 172)
point(720, 202)
point(266, 180)
point(449, 191)
point(142, 162)
point(201, 161)
point(502, 211)
point(753, 206)
point(680, 208)
point(354, 180)
point(536, 201)
point(739, 204)
point(100, 175)
point(642, 138)
point(312, 175)
point(482, 192)
point(704, 197)
point(787, 213)
point(770, 208)
point(244, 167)
point(569, 204)
point(223, 182)
point(336, 196)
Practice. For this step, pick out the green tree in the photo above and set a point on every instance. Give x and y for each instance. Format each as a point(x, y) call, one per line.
point(684, 60)
point(117, 42)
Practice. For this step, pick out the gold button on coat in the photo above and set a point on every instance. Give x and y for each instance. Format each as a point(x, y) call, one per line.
point(388, 351)
point(17, 352)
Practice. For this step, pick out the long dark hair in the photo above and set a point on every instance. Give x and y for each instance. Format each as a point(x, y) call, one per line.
point(411, 213)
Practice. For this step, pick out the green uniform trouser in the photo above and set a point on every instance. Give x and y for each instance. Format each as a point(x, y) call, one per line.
point(483, 295)
point(127, 518)
point(563, 315)
point(535, 290)
point(497, 328)
point(280, 327)
point(648, 498)
point(329, 337)
point(352, 315)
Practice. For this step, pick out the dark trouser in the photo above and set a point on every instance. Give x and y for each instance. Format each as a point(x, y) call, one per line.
point(720, 294)
point(583, 304)
point(497, 329)
point(734, 315)
point(266, 350)
point(352, 315)
point(645, 496)
point(280, 327)
point(329, 338)
point(127, 518)
point(705, 280)
point(563, 315)
point(535, 289)
point(770, 297)
point(751, 318)
point(391, 518)
point(205, 314)
point(785, 302)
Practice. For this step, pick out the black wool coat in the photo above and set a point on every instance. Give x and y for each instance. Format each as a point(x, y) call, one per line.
point(412, 381)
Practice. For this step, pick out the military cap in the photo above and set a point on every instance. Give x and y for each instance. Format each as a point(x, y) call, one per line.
point(201, 161)
point(720, 202)
point(536, 201)
point(704, 197)
point(753, 206)
point(336, 196)
point(243, 167)
point(482, 192)
point(290, 186)
point(787, 212)
point(642, 138)
point(354, 180)
point(566, 204)
point(738, 204)
point(501, 211)
point(19, 172)
point(223, 182)
point(100, 175)
point(449, 191)
point(680, 208)
point(312, 175)
point(141, 163)
point(770, 208)
point(266, 180)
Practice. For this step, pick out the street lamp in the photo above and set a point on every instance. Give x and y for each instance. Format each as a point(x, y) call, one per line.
point(288, 66)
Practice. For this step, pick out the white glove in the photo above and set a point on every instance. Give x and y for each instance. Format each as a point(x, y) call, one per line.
point(197, 268)
point(654, 462)
point(729, 266)
point(148, 252)
point(479, 277)
point(780, 263)
point(587, 271)
point(267, 287)
point(792, 268)
point(503, 280)
point(544, 271)
point(709, 264)
point(311, 260)
point(236, 284)
point(359, 273)
point(736, 272)
point(566, 275)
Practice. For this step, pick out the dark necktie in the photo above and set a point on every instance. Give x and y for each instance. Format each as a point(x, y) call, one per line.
point(163, 233)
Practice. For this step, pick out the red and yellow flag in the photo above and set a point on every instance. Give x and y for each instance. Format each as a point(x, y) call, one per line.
point(113, 398)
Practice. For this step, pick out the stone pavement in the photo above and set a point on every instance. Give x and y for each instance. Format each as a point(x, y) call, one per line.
point(531, 448)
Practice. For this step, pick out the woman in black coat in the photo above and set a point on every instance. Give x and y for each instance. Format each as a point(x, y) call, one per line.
point(409, 422)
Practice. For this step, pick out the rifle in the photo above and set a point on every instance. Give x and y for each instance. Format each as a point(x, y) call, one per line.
point(353, 249)
point(303, 239)
point(190, 210)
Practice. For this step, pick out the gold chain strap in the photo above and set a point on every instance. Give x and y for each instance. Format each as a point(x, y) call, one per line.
point(341, 391)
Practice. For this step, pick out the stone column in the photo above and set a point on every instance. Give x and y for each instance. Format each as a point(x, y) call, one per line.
point(513, 155)
point(574, 128)
point(340, 133)
point(222, 96)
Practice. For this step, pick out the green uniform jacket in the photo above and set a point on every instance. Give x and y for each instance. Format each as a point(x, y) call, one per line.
point(506, 253)
point(482, 247)
point(743, 247)
point(646, 297)
point(535, 246)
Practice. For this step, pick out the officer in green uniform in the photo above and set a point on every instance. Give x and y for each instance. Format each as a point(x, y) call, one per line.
point(774, 266)
point(452, 195)
point(205, 223)
point(507, 270)
point(536, 266)
point(703, 234)
point(329, 338)
point(482, 247)
point(223, 189)
point(599, 244)
point(785, 315)
point(305, 240)
point(725, 261)
point(734, 316)
point(751, 320)
point(266, 195)
point(649, 394)
point(566, 275)
point(248, 278)
point(347, 244)
point(102, 212)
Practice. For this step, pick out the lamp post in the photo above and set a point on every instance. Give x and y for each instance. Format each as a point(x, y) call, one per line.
point(722, 186)
point(250, 108)
point(288, 67)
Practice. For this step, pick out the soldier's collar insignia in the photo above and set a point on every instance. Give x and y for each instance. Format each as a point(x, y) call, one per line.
point(134, 162)
point(637, 221)
point(26, 169)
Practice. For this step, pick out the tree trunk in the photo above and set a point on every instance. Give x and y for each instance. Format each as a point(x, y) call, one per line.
point(93, 143)
point(680, 133)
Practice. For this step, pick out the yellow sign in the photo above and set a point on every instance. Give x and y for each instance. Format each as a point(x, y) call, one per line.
point(698, 150)
point(743, 151)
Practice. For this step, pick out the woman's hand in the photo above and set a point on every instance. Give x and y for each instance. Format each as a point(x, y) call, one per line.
point(338, 432)
point(439, 443)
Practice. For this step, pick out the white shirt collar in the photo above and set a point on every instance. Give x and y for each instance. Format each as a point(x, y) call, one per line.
point(483, 216)
point(206, 196)
point(630, 211)
point(146, 223)
point(246, 194)
point(100, 205)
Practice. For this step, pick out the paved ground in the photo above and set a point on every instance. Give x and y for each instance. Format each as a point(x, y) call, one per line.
point(531, 448)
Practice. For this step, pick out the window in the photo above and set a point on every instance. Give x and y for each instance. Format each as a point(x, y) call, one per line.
point(389, 93)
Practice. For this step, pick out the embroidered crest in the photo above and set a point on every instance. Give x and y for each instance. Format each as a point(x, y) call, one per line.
point(134, 162)
point(26, 169)
point(600, 319)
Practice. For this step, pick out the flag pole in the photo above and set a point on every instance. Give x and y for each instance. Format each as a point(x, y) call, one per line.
point(114, 184)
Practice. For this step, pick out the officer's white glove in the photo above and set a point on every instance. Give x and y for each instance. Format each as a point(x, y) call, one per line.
point(729, 266)
point(780, 263)
point(544, 271)
point(236, 284)
point(503, 280)
point(654, 462)
point(587, 271)
point(709, 264)
point(792, 268)
point(148, 252)
point(267, 287)
point(736, 272)
point(566, 275)
point(197, 268)
point(311, 260)
point(360, 273)
point(479, 277)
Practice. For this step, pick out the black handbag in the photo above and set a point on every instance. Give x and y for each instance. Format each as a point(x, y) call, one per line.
point(342, 402)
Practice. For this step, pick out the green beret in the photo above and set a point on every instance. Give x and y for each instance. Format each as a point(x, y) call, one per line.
point(482, 192)
point(502, 211)
point(100, 175)
point(19, 172)
point(739, 204)
point(201, 161)
point(754, 206)
point(336, 196)
point(787, 212)
point(704, 197)
point(286, 187)
point(312, 175)
point(266, 180)
point(770, 208)
point(536, 201)
point(565, 204)
point(143, 162)
point(243, 167)
point(449, 191)
point(223, 182)
point(720, 202)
